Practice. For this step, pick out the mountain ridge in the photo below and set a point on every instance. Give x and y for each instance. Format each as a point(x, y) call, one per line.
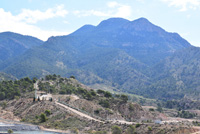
point(121, 56)
point(14, 44)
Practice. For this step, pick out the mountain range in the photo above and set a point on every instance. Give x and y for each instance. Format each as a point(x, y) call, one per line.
point(13, 45)
point(131, 56)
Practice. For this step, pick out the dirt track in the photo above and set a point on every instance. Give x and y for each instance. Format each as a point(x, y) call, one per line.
point(77, 112)
point(91, 118)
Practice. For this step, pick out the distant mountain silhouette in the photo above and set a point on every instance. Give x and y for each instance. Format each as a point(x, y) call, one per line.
point(140, 38)
point(13, 44)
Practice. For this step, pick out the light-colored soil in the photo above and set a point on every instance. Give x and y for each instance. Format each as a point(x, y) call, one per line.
point(91, 118)
point(7, 115)
point(64, 97)
point(36, 85)
point(54, 130)
point(197, 130)
point(77, 112)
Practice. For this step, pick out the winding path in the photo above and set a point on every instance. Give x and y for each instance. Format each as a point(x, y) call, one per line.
point(79, 113)
point(36, 85)
point(92, 118)
point(83, 114)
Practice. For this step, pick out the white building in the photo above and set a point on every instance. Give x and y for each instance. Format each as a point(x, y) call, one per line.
point(43, 95)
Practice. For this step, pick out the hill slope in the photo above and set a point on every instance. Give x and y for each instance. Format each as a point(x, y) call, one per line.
point(13, 44)
point(179, 74)
point(4, 76)
point(81, 109)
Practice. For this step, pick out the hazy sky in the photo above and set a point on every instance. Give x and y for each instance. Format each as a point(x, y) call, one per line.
point(45, 18)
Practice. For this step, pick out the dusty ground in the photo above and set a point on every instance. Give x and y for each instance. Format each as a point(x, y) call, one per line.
point(8, 115)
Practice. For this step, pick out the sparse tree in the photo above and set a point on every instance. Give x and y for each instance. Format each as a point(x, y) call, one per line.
point(75, 131)
point(130, 130)
point(73, 77)
point(124, 98)
point(149, 128)
point(34, 80)
point(116, 130)
point(10, 131)
point(131, 107)
point(43, 117)
point(99, 91)
point(33, 99)
point(47, 112)
point(159, 109)
point(107, 94)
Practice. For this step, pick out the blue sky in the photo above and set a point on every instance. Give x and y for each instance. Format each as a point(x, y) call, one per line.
point(45, 18)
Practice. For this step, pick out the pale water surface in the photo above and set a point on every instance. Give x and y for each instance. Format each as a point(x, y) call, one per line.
point(26, 132)
point(34, 132)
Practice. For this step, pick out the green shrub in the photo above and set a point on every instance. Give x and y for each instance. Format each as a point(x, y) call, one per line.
point(75, 131)
point(10, 131)
point(97, 111)
point(48, 112)
point(185, 114)
point(116, 130)
point(107, 94)
point(93, 93)
point(87, 96)
point(151, 109)
point(23, 120)
point(137, 125)
point(149, 128)
point(99, 91)
point(104, 103)
point(3, 105)
point(159, 109)
point(130, 130)
point(43, 117)
point(124, 98)
point(131, 107)
point(72, 77)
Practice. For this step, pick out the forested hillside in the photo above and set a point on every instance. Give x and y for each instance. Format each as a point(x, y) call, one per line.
point(13, 45)
point(129, 56)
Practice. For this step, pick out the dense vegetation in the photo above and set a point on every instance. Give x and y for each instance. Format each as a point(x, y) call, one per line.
point(14, 89)
point(71, 86)
point(186, 114)
point(183, 104)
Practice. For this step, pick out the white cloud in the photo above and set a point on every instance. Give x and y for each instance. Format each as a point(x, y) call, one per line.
point(112, 4)
point(184, 5)
point(9, 22)
point(33, 16)
point(114, 10)
point(90, 13)
point(123, 11)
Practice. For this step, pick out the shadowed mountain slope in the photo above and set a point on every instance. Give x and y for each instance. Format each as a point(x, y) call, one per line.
point(13, 44)
point(116, 53)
